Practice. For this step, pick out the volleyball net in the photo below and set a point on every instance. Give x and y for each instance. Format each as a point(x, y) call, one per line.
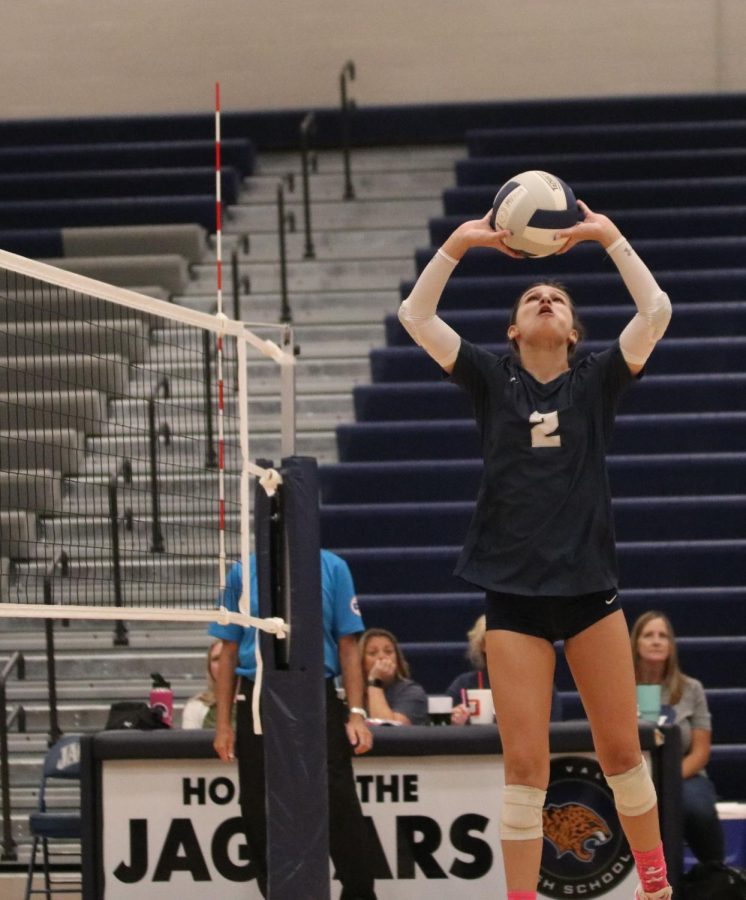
point(125, 467)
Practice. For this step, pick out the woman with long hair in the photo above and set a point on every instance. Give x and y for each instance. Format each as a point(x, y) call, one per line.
point(390, 694)
point(656, 662)
point(541, 541)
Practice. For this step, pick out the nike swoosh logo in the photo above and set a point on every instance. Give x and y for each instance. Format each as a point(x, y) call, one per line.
point(611, 600)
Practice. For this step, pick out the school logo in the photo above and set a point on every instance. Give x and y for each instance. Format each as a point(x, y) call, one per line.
point(585, 852)
point(355, 606)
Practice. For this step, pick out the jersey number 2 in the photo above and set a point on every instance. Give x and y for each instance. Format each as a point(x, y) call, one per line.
point(543, 434)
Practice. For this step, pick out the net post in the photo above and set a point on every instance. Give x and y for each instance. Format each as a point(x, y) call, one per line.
point(294, 696)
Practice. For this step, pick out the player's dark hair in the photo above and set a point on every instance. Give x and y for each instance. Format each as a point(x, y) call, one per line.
point(576, 322)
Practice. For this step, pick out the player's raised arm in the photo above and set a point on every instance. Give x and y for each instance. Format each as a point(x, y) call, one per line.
point(641, 334)
point(418, 313)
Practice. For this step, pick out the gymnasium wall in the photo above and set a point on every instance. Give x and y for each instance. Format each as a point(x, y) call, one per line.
point(80, 58)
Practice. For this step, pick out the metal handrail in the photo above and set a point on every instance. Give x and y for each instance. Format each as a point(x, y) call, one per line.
point(121, 637)
point(163, 385)
point(55, 732)
point(16, 661)
point(307, 130)
point(348, 105)
point(285, 312)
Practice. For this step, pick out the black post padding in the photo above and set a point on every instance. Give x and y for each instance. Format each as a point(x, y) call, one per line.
point(293, 697)
point(669, 787)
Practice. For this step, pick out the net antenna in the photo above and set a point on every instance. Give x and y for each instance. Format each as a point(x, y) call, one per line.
point(80, 363)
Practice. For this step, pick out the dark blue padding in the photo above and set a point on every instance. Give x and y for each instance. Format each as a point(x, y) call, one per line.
point(440, 523)
point(436, 664)
point(602, 323)
point(234, 153)
point(121, 211)
point(648, 564)
point(629, 136)
point(591, 166)
point(708, 392)
point(715, 661)
point(383, 125)
point(697, 612)
point(642, 224)
point(727, 705)
point(120, 183)
point(647, 474)
point(498, 293)
point(672, 356)
point(38, 243)
point(458, 438)
point(635, 193)
point(727, 769)
point(662, 254)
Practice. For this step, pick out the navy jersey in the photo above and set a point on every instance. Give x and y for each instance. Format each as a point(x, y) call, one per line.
point(543, 522)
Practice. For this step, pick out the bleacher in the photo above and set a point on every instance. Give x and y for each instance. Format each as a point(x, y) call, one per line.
point(398, 503)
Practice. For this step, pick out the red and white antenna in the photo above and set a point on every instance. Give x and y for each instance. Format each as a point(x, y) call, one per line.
point(221, 405)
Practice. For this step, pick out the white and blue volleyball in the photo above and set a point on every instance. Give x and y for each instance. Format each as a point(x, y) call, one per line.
point(534, 206)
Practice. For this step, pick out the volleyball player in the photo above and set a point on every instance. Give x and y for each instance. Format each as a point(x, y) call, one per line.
point(541, 541)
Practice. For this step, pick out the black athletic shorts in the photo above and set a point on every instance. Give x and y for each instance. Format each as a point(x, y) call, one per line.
point(551, 618)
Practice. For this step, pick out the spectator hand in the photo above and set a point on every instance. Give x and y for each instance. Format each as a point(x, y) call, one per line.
point(460, 715)
point(359, 734)
point(385, 669)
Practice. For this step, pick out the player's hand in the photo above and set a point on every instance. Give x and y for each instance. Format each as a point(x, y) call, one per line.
point(592, 227)
point(359, 734)
point(478, 233)
point(460, 715)
point(224, 743)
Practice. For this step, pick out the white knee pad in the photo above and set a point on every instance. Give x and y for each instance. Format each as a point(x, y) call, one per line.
point(521, 818)
point(634, 791)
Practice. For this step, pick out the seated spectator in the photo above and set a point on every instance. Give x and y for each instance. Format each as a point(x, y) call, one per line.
point(199, 710)
point(478, 678)
point(391, 695)
point(656, 662)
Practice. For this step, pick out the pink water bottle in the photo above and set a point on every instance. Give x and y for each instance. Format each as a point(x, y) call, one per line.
point(162, 698)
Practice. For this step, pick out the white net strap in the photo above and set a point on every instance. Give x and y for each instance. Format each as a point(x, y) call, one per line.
point(271, 625)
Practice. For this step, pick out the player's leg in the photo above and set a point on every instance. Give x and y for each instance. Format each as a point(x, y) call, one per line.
point(600, 660)
point(521, 669)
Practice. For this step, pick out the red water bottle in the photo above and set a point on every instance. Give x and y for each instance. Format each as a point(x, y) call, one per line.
point(162, 698)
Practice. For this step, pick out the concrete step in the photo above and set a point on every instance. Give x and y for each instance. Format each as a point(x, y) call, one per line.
point(307, 307)
point(368, 185)
point(347, 243)
point(390, 213)
point(312, 376)
point(119, 663)
point(366, 159)
point(16, 635)
point(310, 275)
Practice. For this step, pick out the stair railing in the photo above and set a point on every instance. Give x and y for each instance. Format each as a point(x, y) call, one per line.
point(55, 732)
point(162, 389)
point(124, 472)
point(18, 663)
point(308, 160)
point(347, 106)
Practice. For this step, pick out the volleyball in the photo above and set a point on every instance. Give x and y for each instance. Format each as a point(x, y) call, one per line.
point(534, 206)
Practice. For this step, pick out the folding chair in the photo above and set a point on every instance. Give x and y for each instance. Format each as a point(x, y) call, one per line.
point(61, 762)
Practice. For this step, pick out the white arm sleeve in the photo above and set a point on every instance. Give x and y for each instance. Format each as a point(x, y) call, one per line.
point(653, 306)
point(418, 312)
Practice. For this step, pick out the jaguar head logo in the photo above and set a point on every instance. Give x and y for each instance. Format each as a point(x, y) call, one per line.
point(573, 828)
